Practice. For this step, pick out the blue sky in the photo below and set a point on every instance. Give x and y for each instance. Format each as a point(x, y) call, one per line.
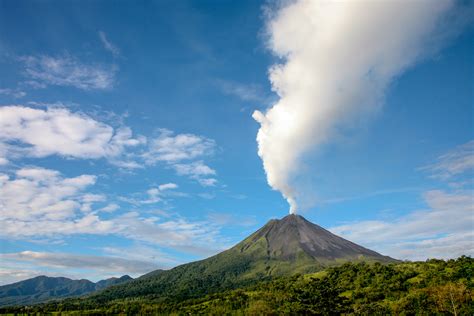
point(127, 141)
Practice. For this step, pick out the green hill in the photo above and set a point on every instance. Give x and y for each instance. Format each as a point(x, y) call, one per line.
point(43, 288)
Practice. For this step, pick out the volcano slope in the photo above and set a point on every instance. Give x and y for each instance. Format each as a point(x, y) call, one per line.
point(282, 247)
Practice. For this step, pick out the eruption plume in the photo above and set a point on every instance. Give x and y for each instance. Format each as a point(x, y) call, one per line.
point(338, 58)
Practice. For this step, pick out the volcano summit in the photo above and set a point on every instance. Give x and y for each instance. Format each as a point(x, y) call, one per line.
point(295, 237)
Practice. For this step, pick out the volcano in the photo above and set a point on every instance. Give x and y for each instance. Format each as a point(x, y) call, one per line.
point(295, 237)
point(282, 247)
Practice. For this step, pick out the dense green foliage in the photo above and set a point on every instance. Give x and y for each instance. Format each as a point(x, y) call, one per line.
point(434, 287)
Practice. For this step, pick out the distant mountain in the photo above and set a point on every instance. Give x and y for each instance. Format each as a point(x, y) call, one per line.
point(43, 288)
point(281, 247)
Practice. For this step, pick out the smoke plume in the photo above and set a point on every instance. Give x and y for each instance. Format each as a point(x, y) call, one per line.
point(338, 58)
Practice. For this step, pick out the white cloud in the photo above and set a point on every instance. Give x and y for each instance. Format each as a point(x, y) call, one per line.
point(155, 195)
point(171, 148)
point(67, 71)
point(40, 203)
point(91, 198)
point(197, 170)
point(207, 182)
point(13, 93)
point(111, 207)
point(88, 200)
point(448, 218)
point(57, 131)
point(244, 92)
point(453, 163)
point(108, 45)
point(339, 58)
point(41, 194)
point(167, 186)
point(38, 174)
point(41, 132)
point(183, 152)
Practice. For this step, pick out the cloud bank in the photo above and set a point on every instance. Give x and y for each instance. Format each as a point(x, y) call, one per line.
point(38, 203)
point(442, 230)
point(339, 58)
point(56, 130)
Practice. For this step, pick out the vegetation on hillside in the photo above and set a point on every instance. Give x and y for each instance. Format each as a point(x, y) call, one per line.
point(43, 288)
point(434, 287)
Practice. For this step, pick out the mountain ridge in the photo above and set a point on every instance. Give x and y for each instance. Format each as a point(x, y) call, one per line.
point(43, 288)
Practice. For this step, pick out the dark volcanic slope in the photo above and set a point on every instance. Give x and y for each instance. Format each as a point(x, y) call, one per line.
point(43, 288)
point(285, 238)
point(281, 247)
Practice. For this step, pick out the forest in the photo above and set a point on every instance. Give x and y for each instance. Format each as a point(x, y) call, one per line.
point(433, 287)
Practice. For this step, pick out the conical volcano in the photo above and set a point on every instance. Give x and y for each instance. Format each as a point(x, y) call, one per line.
point(293, 236)
point(280, 248)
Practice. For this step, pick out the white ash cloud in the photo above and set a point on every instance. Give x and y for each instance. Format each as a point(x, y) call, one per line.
point(338, 59)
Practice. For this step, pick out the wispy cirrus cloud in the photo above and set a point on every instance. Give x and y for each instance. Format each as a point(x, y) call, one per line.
point(245, 92)
point(15, 93)
point(453, 163)
point(43, 70)
point(446, 213)
point(111, 207)
point(108, 45)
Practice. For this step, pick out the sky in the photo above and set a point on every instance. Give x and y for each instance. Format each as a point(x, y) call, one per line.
point(137, 136)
